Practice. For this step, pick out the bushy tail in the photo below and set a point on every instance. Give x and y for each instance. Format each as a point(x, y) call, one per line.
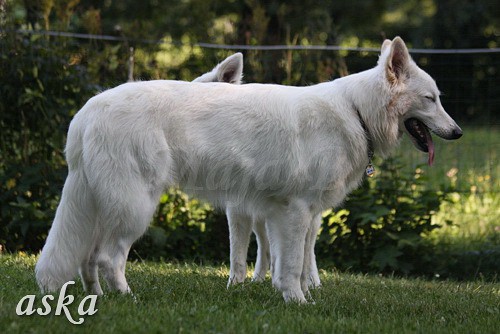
point(70, 239)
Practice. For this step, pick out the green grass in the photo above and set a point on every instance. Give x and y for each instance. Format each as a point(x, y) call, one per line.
point(474, 222)
point(468, 169)
point(472, 161)
point(193, 299)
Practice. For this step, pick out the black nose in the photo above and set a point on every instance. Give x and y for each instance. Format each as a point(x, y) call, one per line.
point(457, 133)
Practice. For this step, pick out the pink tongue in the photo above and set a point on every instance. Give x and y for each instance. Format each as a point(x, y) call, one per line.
point(430, 145)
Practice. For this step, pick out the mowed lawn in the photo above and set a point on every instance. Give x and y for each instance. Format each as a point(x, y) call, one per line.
point(191, 298)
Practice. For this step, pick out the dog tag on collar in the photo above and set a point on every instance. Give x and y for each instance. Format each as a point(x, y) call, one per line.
point(370, 170)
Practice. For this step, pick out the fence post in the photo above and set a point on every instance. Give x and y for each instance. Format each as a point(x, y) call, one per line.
point(131, 65)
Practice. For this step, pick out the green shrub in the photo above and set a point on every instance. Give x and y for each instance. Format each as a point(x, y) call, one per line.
point(184, 228)
point(39, 94)
point(381, 226)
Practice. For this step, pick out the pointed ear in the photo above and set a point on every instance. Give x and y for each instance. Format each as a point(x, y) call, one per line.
point(397, 62)
point(385, 45)
point(231, 69)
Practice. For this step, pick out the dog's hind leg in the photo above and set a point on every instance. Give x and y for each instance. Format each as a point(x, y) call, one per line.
point(287, 226)
point(263, 253)
point(128, 176)
point(240, 229)
point(89, 273)
point(112, 262)
point(129, 224)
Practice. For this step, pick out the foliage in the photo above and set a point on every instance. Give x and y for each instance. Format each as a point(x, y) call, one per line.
point(184, 228)
point(40, 94)
point(468, 81)
point(468, 245)
point(471, 219)
point(396, 223)
point(382, 225)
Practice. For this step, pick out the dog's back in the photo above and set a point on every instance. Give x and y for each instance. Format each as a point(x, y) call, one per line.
point(225, 143)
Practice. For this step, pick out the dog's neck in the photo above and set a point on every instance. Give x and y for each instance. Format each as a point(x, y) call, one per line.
point(370, 171)
point(366, 91)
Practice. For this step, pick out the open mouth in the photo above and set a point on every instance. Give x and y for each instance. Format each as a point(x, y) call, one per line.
point(421, 137)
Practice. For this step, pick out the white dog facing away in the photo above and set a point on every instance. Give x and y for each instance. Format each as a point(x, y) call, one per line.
point(278, 154)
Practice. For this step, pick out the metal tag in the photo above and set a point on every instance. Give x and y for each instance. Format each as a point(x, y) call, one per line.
point(370, 170)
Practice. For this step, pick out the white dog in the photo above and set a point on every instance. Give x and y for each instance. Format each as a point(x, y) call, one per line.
point(280, 154)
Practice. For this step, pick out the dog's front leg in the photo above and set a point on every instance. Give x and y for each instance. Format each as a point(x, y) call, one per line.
point(287, 226)
point(310, 277)
point(240, 229)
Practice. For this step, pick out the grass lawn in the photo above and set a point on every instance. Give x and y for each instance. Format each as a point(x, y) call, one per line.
point(171, 298)
point(473, 159)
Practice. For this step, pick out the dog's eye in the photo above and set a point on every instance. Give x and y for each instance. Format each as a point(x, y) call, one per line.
point(430, 98)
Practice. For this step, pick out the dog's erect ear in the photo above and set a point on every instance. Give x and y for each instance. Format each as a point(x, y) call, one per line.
point(397, 61)
point(231, 69)
point(385, 45)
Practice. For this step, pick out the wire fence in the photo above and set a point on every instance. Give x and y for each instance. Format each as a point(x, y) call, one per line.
point(250, 47)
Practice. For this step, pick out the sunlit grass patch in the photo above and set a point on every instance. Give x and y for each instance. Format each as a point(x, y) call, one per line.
point(472, 159)
point(470, 221)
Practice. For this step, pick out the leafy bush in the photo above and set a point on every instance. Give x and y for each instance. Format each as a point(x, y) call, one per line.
point(381, 226)
point(184, 228)
point(39, 96)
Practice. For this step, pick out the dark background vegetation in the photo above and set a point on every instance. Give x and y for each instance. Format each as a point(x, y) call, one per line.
point(386, 226)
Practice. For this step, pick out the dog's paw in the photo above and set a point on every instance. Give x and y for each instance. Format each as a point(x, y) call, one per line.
point(313, 282)
point(234, 280)
point(292, 296)
point(258, 277)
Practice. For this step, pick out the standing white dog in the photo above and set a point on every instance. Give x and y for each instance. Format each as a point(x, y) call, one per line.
point(280, 154)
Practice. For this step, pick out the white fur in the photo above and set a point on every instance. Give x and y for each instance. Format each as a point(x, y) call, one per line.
point(240, 224)
point(279, 154)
